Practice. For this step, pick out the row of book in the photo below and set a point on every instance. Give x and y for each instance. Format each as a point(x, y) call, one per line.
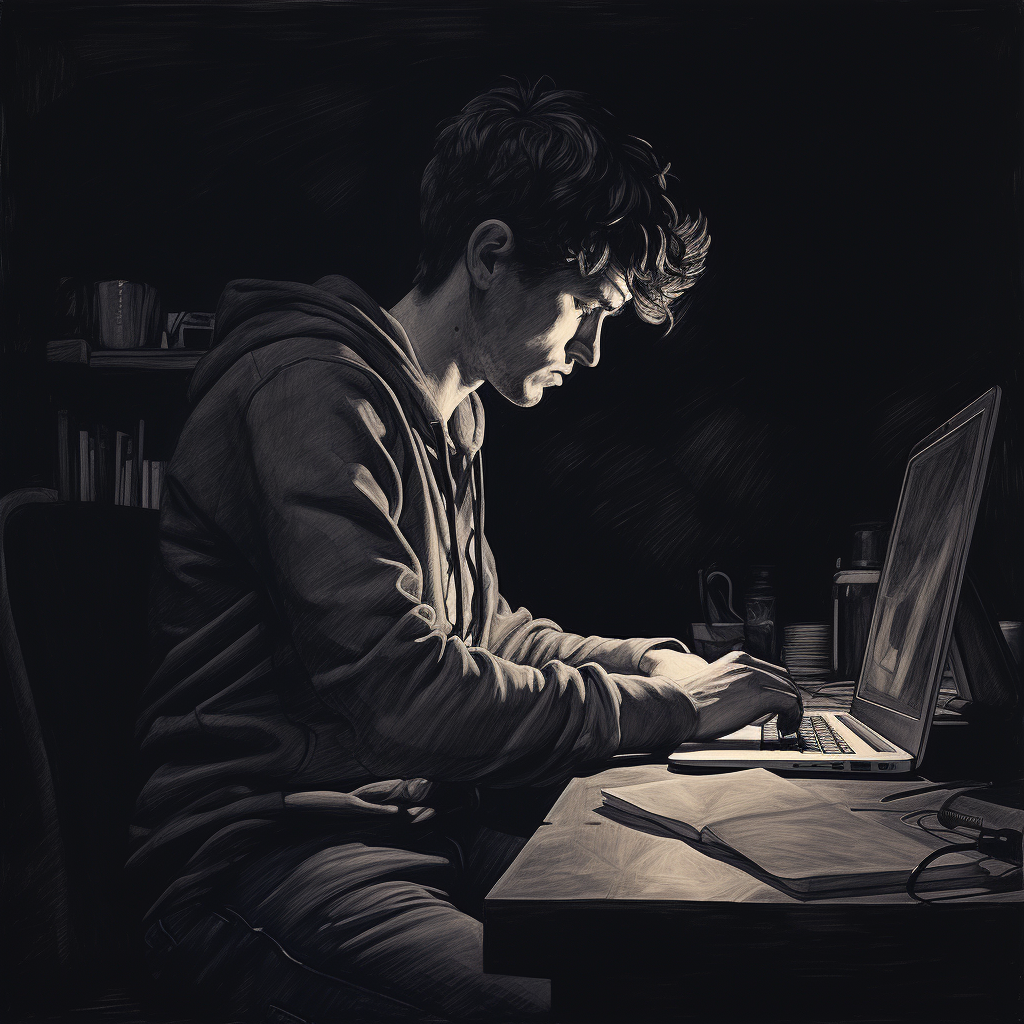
point(103, 464)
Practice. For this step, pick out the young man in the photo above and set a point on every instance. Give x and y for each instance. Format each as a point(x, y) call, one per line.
point(338, 676)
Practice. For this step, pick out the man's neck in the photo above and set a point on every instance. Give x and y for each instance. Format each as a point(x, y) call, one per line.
point(437, 328)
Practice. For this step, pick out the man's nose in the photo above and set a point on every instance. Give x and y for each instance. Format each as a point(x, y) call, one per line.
point(585, 347)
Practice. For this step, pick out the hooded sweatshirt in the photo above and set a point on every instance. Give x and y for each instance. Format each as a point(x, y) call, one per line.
point(325, 609)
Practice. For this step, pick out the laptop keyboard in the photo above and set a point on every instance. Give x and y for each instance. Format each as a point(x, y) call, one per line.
point(814, 735)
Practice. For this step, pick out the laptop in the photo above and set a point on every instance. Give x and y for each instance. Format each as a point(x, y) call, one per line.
point(887, 726)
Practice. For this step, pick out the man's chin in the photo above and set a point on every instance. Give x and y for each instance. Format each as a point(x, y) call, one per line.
point(526, 397)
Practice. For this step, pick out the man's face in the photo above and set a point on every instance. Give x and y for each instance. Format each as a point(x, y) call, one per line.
point(534, 332)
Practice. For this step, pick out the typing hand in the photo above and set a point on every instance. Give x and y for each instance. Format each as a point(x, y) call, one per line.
point(739, 689)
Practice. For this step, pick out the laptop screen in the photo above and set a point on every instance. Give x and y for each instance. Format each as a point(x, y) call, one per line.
point(921, 578)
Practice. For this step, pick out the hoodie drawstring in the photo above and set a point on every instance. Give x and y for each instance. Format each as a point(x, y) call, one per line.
point(478, 543)
point(454, 551)
point(454, 545)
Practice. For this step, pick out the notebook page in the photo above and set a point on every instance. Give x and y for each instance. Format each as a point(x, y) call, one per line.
point(703, 800)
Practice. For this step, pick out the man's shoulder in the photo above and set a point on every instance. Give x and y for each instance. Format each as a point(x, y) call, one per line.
point(316, 376)
point(327, 356)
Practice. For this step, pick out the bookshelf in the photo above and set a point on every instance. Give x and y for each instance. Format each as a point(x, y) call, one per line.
point(117, 414)
point(76, 352)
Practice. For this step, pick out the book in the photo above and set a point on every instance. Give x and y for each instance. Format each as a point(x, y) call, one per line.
point(140, 437)
point(105, 466)
point(790, 836)
point(65, 457)
point(147, 468)
point(120, 445)
point(82, 490)
point(92, 467)
point(128, 471)
point(157, 483)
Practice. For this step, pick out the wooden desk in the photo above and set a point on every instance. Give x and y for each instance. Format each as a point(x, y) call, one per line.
point(634, 926)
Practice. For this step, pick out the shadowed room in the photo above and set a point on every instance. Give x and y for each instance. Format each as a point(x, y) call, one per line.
point(858, 165)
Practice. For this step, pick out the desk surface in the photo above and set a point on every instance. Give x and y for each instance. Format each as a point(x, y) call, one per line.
point(578, 854)
point(609, 912)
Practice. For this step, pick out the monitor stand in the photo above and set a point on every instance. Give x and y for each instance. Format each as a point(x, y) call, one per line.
point(986, 677)
point(988, 691)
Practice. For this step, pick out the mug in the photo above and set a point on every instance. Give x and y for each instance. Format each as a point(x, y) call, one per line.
point(126, 315)
point(711, 640)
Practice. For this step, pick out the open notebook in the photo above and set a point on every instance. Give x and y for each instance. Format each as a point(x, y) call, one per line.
point(794, 838)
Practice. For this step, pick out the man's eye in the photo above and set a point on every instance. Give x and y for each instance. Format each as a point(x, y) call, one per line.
point(582, 307)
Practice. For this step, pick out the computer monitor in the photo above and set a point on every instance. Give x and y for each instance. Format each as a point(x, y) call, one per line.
point(920, 583)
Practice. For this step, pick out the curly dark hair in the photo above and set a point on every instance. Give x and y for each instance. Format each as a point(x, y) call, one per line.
point(571, 186)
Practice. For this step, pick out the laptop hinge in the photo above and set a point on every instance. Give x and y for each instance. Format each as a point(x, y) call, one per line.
point(872, 739)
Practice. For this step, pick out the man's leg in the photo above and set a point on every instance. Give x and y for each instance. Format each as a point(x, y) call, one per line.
point(344, 931)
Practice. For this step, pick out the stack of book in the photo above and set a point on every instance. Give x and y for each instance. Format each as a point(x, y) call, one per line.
point(98, 462)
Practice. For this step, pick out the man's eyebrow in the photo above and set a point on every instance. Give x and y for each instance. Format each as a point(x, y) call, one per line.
point(599, 300)
point(610, 308)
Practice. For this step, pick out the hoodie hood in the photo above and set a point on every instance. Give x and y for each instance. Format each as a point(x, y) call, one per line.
point(252, 314)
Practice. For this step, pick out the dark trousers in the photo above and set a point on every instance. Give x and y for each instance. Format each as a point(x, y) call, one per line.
point(375, 927)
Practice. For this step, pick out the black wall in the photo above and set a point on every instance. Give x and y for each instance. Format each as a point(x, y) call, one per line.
point(859, 165)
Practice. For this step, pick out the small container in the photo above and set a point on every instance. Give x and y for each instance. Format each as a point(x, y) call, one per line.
point(869, 544)
point(712, 640)
point(853, 602)
point(126, 315)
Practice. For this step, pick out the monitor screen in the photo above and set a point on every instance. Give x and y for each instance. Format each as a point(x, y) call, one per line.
point(919, 580)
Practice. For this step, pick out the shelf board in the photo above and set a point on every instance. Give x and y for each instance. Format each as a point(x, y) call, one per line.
point(75, 352)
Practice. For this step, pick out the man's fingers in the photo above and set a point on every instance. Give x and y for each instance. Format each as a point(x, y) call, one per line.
point(329, 802)
point(420, 813)
point(395, 790)
point(790, 714)
point(365, 806)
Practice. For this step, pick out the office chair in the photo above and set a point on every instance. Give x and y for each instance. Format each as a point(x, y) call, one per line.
point(73, 586)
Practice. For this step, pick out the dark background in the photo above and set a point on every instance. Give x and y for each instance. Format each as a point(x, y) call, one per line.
point(859, 165)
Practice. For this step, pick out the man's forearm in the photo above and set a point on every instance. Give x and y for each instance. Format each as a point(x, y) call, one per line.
point(653, 713)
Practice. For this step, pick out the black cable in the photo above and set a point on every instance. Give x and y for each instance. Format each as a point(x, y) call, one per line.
point(946, 832)
point(933, 856)
point(1002, 845)
point(954, 784)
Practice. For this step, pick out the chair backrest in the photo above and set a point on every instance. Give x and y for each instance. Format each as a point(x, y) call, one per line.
point(73, 607)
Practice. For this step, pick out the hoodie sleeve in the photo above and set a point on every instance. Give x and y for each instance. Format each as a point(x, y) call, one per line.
point(323, 506)
point(519, 637)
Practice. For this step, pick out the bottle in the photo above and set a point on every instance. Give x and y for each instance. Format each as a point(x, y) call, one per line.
point(759, 624)
point(853, 597)
point(853, 602)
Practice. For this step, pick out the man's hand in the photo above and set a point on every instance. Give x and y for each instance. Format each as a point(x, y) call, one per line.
point(738, 689)
point(375, 798)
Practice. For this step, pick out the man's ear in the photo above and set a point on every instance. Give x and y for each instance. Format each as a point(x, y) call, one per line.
point(490, 243)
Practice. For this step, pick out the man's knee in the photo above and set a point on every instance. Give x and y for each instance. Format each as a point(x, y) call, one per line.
point(387, 951)
point(215, 961)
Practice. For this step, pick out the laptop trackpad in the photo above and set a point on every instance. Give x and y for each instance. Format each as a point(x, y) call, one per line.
point(747, 738)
